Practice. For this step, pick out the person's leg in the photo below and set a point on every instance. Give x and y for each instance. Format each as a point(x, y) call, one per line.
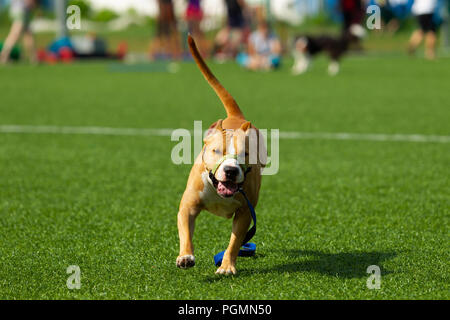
point(196, 30)
point(253, 63)
point(164, 45)
point(426, 26)
point(393, 26)
point(174, 42)
point(430, 45)
point(156, 46)
point(29, 45)
point(415, 41)
point(221, 39)
point(11, 40)
point(235, 41)
point(165, 29)
point(260, 62)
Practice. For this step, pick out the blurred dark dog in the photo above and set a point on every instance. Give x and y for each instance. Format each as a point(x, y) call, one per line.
point(307, 47)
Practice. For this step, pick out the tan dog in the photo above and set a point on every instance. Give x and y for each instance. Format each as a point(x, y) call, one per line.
point(223, 166)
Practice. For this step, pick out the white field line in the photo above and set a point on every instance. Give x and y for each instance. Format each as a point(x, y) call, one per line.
point(365, 137)
point(85, 130)
point(167, 133)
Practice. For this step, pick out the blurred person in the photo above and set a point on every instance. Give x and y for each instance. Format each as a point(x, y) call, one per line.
point(88, 46)
point(401, 8)
point(167, 42)
point(264, 49)
point(258, 11)
point(307, 47)
point(424, 10)
point(446, 33)
point(21, 14)
point(393, 13)
point(388, 17)
point(194, 16)
point(352, 12)
point(228, 39)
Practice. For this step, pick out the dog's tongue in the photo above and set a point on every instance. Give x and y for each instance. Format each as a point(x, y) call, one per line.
point(226, 188)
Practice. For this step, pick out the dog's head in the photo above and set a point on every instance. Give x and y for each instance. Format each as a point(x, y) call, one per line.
point(228, 155)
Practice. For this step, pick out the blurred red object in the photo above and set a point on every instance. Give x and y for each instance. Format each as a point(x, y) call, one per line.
point(122, 50)
point(66, 54)
point(41, 55)
point(51, 58)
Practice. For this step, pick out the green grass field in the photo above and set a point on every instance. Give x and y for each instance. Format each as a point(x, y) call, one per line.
point(109, 203)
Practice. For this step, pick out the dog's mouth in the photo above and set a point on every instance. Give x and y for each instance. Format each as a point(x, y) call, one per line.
point(225, 189)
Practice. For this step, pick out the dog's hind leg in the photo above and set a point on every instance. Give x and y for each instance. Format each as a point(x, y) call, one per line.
point(333, 68)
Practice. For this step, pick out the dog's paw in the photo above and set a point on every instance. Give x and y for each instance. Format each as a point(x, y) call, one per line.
point(333, 69)
point(226, 269)
point(186, 261)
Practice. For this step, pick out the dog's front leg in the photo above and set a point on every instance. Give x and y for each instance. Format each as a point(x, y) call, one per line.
point(241, 222)
point(186, 224)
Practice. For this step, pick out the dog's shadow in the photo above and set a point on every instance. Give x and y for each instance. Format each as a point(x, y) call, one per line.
point(342, 265)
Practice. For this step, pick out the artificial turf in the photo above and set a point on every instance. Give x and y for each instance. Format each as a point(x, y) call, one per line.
point(109, 203)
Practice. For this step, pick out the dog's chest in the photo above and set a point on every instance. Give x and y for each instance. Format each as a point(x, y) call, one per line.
point(215, 203)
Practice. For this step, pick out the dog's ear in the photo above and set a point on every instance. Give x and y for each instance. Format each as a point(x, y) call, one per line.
point(255, 136)
point(215, 127)
point(262, 149)
point(245, 126)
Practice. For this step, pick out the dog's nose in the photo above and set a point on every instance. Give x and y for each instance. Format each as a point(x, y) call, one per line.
point(230, 171)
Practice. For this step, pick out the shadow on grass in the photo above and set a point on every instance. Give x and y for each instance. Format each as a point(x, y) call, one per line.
point(343, 264)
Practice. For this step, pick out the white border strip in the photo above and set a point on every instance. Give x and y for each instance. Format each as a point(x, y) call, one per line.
point(168, 132)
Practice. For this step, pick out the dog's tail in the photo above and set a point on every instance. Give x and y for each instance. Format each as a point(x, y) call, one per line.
point(228, 101)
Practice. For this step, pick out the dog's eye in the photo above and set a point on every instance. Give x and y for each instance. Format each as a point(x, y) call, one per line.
point(217, 151)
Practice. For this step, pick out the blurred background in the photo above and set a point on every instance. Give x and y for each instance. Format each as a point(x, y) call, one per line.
point(148, 30)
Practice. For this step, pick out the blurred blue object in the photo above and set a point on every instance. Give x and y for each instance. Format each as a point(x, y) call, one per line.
point(63, 42)
point(243, 59)
point(275, 61)
point(334, 12)
point(400, 9)
point(46, 4)
point(438, 19)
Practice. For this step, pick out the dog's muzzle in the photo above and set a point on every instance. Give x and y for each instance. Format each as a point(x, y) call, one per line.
point(229, 187)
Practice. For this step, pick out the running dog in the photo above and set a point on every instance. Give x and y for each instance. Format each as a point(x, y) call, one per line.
point(226, 164)
point(307, 47)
